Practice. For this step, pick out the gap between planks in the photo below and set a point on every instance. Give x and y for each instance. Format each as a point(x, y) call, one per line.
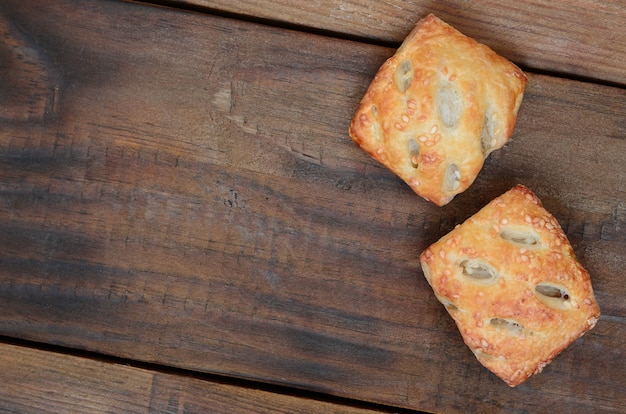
point(206, 377)
point(177, 5)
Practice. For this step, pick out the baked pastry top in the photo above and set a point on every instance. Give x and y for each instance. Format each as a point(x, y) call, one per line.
point(509, 279)
point(437, 108)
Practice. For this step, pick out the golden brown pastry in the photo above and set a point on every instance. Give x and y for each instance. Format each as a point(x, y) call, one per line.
point(437, 108)
point(509, 279)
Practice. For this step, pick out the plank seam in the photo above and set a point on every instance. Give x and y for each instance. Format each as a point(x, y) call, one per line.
point(245, 383)
point(173, 4)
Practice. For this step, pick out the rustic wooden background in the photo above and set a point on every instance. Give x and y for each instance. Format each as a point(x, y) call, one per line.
point(185, 224)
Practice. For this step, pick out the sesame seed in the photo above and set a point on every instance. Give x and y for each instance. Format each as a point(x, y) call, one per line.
point(422, 138)
point(379, 150)
point(527, 219)
point(405, 118)
point(397, 125)
point(504, 221)
point(433, 129)
point(411, 104)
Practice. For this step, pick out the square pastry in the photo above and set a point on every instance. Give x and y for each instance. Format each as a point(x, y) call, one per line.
point(509, 279)
point(437, 108)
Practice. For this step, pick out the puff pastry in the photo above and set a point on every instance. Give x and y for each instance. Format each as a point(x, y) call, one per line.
point(509, 279)
point(437, 108)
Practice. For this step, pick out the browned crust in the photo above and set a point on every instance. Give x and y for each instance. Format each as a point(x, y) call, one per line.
point(544, 331)
point(440, 57)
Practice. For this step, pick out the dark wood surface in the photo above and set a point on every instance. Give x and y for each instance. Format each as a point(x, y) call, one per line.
point(60, 383)
point(178, 188)
point(573, 37)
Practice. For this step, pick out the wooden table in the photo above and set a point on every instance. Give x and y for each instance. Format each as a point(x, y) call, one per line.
point(185, 225)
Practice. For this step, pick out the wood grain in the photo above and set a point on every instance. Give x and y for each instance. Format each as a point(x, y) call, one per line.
point(575, 37)
point(180, 188)
point(48, 382)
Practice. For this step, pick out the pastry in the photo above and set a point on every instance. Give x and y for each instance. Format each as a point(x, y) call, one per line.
point(509, 279)
point(437, 108)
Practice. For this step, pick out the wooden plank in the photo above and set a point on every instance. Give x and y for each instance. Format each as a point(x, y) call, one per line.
point(48, 382)
point(187, 194)
point(574, 37)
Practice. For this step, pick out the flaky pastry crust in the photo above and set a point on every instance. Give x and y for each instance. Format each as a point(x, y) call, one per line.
point(509, 279)
point(437, 108)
